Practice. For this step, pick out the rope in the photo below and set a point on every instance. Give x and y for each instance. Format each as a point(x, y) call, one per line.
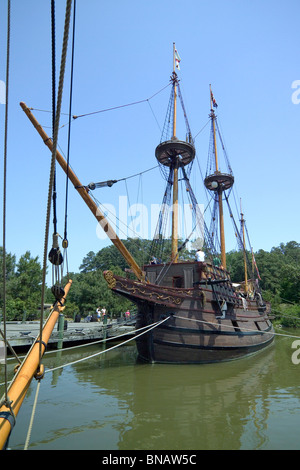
point(69, 128)
point(123, 105)
point(53, 103)
point(10, 347)
point(109, 183)
point(241, 329)
point(154, 325)
point(125, 334)
point(69, 348)
point(32, 416)
point(4, 190)
point(53, 159)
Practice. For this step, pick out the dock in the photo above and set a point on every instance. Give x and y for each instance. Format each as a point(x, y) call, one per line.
point(23, 334)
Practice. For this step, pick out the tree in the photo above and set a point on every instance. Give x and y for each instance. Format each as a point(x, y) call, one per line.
point(235, 265)
point(10, 263)
point(24, 288)
point(90, 290)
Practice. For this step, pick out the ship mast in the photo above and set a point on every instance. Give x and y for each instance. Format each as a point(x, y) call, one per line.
point(175, 154)
point(244, 246)
point(174, 254)
point(218, 182)
point(220, 191)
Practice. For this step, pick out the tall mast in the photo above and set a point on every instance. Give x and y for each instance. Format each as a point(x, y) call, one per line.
point(86, 197)
point(218, 182)
point(174, 255)
point(175, 154)
point(244, 246)
point(213, 117)
point(220, 189)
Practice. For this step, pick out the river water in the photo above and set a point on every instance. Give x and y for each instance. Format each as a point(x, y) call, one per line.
point(113, 402)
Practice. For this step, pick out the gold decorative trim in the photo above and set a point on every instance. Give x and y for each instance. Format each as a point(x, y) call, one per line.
point(109, 277)
point(150, 295)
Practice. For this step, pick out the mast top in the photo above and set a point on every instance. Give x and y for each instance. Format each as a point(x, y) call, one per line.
point(217, 181)
point(168, 151)
point(174, 152)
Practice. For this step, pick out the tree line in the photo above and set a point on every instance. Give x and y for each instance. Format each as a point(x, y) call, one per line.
point(279, 273)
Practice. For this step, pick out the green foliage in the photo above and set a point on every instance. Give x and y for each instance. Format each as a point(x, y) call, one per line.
point(90, 290)
point(289, 315)
point(235, 265)
point(110, 256)
point(23, 286)
point(279, 270)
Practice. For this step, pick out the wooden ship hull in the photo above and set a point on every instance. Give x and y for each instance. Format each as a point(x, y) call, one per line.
point(195, 331)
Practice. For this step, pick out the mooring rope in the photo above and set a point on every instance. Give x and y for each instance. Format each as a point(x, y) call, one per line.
point(32, 416)
point(152, 326)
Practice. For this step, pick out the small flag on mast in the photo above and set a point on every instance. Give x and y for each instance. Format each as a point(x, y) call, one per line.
point(213, 100)
point(177, 59)
point(254, 263)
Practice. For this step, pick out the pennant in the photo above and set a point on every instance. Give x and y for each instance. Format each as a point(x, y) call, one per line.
point(177, 59)
point(213, 100)
point(254, 263)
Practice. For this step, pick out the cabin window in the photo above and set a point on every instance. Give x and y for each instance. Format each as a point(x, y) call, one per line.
point(177, 281)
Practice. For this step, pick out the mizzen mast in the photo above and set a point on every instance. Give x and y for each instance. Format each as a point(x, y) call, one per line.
point(218, 182)
point(244, 249)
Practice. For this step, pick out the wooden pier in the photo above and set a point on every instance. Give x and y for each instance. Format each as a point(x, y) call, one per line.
point(23, 334)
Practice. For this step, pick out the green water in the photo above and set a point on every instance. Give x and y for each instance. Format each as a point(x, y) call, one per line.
point(112, 402)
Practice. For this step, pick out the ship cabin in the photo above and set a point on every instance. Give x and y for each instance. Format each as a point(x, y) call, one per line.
point(185, 274)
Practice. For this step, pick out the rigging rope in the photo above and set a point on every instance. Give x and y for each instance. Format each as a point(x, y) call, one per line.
point(65, 241)
point(53, 158)
point(109, 183)
point(53, 104)
point(121, 106)
point(4, 193)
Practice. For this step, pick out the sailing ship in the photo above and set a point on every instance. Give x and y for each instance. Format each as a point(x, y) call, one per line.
point(199, 314)
point(204, 316)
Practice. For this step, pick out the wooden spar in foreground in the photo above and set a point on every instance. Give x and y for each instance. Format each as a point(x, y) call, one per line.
point(85, 196)
point(29, 368)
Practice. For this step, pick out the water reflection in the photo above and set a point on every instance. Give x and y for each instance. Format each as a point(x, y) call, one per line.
point(114, 402)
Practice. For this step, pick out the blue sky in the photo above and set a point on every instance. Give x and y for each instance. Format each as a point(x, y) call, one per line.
point(247, 50)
